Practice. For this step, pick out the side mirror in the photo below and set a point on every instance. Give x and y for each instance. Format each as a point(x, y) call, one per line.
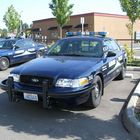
point(111, 54)
point(15, 47)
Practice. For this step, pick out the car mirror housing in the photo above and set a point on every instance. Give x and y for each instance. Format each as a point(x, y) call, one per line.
point(15, 47)
point(111, 54)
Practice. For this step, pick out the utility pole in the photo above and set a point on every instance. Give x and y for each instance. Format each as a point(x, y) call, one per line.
point(20, 28)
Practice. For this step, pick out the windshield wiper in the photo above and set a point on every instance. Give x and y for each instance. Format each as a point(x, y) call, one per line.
point(73, 54)
point(65, 54)
point(53, 54)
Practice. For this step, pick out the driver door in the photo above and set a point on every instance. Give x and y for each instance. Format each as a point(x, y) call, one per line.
point(19, 52)
point(109, 63)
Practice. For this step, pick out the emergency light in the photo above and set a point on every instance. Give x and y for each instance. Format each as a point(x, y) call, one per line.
point(103, 34)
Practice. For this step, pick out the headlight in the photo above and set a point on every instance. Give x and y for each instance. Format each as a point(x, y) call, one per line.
point(16, 77)
point(73, 83)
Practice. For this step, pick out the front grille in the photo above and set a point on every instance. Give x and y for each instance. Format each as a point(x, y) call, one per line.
point(35, 81)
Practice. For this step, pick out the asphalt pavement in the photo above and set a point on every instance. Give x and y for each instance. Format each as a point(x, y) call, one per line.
point(28, 120)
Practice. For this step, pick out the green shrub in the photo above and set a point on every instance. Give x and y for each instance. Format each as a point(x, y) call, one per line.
point(130, 55)
point(50, 45)
point(135, 62)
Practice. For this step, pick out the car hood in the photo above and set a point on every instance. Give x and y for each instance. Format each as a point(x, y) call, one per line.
point(63, 66)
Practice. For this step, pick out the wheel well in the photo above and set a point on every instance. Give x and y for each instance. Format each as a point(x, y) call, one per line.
point(102, 78)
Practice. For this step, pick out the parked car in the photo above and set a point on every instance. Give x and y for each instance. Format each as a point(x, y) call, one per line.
point(14, 51)
point(76, 69)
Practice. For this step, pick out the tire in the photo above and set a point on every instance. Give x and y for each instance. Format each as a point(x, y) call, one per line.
point(4, 63)
point(96, 93)
point(122, 74)
point(39, 54)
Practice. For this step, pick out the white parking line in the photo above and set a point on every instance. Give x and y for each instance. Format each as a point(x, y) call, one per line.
point(129, 75)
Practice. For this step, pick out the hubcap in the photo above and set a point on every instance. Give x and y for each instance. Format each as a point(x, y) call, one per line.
point(39, 54)
point(4, 64)
point(96, 91)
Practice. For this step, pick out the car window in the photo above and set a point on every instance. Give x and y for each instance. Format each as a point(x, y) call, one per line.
point(1, 44)
point(7, 44)
point(115, 46)
point(19, 44)
point(25, 44)
point(10, 44)
point(29, 44)
point(112, 45)
point(108, 44)
point(81, 47)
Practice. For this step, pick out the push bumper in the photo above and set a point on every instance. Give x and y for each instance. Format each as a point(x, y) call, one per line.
point(3, 85)
point(46, 93)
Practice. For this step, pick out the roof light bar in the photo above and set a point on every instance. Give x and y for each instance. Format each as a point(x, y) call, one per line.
point(103, 34)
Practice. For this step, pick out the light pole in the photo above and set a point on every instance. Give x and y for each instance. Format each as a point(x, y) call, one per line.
point(82, 22)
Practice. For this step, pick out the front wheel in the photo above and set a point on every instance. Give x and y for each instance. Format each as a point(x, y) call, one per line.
point(39, 54)
point(96, 93)
point(4, 63)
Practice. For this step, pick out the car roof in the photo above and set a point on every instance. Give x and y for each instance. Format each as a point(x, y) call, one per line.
point(14, 39)
point(100, 38)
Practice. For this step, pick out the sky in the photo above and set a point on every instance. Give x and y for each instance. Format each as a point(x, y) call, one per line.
point(31, 10)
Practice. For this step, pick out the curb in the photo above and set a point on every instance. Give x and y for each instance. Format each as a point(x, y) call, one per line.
point(130, 68)
point(129, 119)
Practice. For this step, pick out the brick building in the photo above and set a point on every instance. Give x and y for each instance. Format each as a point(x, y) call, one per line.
point(47, 29)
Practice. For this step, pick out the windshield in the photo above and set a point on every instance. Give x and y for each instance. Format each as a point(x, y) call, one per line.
point(77, 47)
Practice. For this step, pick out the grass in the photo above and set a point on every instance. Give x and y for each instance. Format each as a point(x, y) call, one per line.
point(135, 62)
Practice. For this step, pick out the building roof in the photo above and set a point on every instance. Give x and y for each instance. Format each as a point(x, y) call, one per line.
point(87, 14)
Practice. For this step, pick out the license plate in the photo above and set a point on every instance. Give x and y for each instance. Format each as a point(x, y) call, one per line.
point(31, 97)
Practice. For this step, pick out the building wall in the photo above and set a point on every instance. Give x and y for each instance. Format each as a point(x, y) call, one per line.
point(75, 20)
point(137, 26)
point(54, 34)
point(44, 25)
point(114, 24)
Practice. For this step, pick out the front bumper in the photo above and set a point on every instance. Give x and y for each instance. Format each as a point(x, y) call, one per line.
point(45, 92)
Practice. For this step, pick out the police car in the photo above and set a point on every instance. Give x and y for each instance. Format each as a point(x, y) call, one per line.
point(75, 70)
point(14, 51)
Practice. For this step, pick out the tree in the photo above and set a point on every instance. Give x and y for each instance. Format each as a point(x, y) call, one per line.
point(62, 11)
point(3, 32)
point(129, 28)
point(31, 25)
point(25, 26)
point(132, 8)
point(12, 19)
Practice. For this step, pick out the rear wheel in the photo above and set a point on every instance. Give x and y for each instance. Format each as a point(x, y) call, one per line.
point(4, 63)
point(122, 74)
point(96, 93)
point(39, 54)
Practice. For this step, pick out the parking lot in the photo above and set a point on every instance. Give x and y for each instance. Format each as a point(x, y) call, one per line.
point(28, 120)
